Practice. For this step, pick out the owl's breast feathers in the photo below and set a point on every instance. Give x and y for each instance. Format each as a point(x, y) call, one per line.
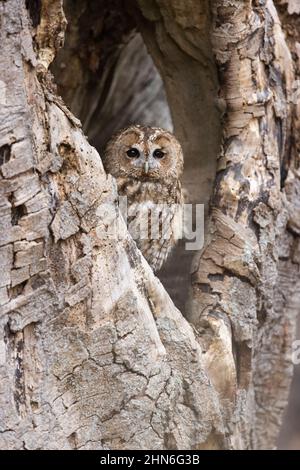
point(154, 216)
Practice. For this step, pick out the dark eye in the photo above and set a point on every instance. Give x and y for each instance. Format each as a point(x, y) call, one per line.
point(133, 153)
point(158, 153)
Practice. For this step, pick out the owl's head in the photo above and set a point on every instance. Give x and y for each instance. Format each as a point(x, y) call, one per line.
point(145, 153)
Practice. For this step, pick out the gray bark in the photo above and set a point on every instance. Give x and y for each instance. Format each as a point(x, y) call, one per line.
point(93, 353)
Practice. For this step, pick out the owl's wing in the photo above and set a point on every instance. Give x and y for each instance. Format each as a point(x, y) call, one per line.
point(171, 229)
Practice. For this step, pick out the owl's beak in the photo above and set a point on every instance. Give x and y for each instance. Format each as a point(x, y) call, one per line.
point(146, 167)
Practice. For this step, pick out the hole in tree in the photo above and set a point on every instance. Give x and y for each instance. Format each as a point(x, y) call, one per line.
point(4, 154)
point(108, 79)
point(17, 212)
point(34, 7)
point(17, 290)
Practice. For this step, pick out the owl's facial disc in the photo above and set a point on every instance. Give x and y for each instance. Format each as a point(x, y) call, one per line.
point(146, 154)
point(146, 159)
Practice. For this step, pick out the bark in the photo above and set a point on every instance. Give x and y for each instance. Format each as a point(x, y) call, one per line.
point(94, 354)
point(253, 206)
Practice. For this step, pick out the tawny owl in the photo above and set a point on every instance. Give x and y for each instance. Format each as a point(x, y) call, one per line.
point(147, 163)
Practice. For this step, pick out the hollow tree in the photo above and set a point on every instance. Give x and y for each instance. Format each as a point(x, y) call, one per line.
point(94, 354)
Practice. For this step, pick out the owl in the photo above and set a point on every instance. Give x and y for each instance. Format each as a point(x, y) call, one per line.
point(147, 163)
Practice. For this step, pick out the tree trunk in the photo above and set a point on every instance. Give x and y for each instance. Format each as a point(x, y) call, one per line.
point(93, 352)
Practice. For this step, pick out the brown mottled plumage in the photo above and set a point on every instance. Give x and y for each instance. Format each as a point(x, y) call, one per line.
point(147, 163)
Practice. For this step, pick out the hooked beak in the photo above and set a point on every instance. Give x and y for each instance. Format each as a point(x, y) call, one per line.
point(146, 167)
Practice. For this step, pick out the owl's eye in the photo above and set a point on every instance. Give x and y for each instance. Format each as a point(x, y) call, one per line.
point(158, 153)
point(133, 153)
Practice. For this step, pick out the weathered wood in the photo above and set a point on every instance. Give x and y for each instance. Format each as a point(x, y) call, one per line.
point(93, 352)
point(246, 271)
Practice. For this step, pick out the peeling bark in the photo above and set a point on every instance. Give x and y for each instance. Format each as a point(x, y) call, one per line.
point(94, 354)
